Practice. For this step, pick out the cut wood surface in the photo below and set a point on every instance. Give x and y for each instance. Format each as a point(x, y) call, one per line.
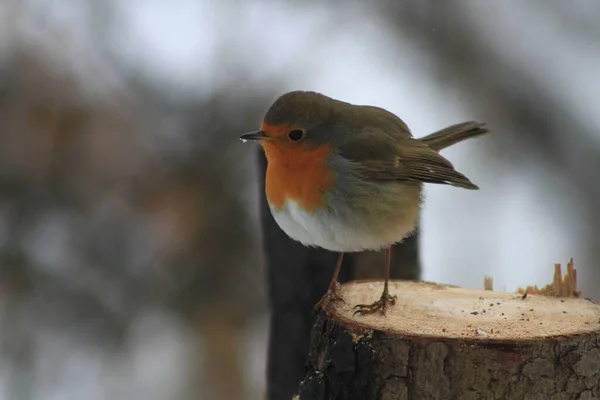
point(447, 312)
point(444, 342)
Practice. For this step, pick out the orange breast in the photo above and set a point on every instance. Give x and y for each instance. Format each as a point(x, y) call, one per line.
point(299, 173)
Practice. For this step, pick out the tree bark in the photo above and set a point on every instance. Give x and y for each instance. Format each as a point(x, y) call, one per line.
point(443, 342)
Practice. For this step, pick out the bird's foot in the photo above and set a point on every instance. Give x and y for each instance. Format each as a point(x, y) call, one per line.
point(379, 305)
point(331, 295)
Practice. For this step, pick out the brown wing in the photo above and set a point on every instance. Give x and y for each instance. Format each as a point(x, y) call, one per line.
point(404, 159)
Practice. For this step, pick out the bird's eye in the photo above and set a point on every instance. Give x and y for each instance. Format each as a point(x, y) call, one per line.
point(295, 135)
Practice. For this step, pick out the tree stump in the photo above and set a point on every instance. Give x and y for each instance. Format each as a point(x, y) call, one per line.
point(445, 342)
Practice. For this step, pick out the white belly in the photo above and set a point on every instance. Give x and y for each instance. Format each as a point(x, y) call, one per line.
point(323, 229)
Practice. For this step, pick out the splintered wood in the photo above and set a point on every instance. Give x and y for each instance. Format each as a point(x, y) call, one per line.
point(561, 286)
point(488, 283)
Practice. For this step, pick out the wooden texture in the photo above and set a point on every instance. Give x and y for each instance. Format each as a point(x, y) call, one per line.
point(443, 342)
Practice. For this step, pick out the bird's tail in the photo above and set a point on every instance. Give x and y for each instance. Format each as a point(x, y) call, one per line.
point(453, 134)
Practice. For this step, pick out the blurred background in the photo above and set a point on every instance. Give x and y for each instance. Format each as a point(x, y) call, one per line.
point(131, 262)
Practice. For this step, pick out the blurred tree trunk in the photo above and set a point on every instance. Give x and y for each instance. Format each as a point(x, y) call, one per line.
point(405, 261)
point(17, 346)
point(219, 373)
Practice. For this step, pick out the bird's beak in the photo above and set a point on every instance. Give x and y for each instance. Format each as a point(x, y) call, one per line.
point(258, 135)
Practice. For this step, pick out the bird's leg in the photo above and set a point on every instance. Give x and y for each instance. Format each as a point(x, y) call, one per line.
point(385, 298)
point(332, 292)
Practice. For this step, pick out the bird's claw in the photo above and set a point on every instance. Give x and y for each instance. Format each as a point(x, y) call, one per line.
point(379, 305)
point(331, 295)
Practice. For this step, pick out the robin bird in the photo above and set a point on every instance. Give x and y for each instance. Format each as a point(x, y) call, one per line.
point(349, 178)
